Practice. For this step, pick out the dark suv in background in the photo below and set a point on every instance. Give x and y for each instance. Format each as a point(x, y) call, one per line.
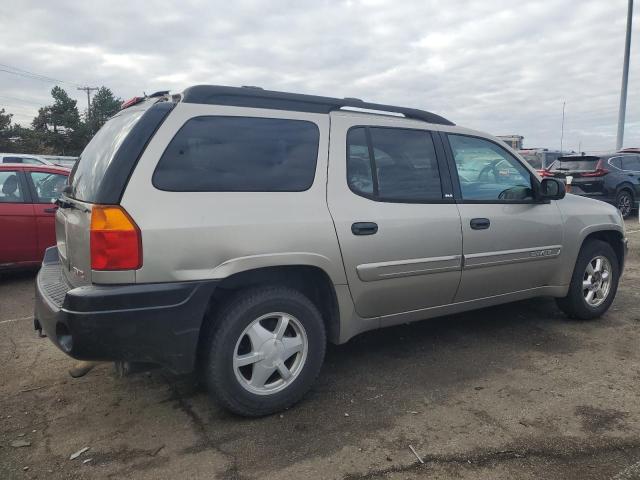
point(612, 178)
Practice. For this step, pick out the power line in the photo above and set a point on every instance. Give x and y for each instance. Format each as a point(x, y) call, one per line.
point(21, 100)
point(33, 76)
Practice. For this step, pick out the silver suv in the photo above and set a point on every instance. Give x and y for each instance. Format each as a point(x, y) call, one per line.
point(235, 231)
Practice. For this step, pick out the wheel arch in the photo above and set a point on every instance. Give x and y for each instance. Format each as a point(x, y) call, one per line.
point(613, 237)
point(628, 187)
point(310, 280)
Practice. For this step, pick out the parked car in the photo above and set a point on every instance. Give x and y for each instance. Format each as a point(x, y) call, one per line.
point(237, 230)
point(613, 178)
point(540, 158)
point(63, 161)
point(27, 212)
point(27, 159)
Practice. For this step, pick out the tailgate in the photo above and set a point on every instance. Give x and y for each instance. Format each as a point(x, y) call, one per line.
point(72, 239)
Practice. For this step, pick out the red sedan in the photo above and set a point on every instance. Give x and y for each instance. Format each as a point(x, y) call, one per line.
point(27, 212)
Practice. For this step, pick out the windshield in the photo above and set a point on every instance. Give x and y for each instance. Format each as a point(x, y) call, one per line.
point(95, 159)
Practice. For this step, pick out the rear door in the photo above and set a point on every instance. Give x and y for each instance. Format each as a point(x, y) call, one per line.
point(18, 242)
point(511, 242)
point(394, 213)
point(46, 187)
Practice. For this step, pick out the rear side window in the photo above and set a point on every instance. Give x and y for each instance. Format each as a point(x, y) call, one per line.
point(616, 162)
point(393, 164)
point(631, 162)
point(240, 154)
point(10, 191)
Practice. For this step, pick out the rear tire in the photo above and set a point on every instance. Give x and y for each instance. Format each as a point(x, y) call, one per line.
point(265, 352)
point(625, 203)
point(594, 282)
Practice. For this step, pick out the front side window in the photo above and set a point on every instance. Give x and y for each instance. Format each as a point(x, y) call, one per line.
point(393, 164)
point(10, 191)
point(48, 186)
point(240, 154)
point(487, 172)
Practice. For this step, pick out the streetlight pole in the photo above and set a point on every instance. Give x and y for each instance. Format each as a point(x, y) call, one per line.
point(562, 127)
point(625, 79)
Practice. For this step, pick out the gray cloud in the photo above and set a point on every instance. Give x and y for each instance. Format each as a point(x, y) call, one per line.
point(496, 65)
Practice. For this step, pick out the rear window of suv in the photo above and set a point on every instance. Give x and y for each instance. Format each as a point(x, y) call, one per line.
point(240, 154)
point(89, 171)
point(575, 165)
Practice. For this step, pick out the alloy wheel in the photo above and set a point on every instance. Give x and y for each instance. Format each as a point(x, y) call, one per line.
point(596, 282)
point(624, 204)
point(270, 353)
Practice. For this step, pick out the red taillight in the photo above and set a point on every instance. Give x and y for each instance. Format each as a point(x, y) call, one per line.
point(545, 173)
point(600, 171)
point(115, 239)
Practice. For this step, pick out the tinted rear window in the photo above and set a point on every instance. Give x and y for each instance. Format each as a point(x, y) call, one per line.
point(239, 154)
point(575, 165)
point(95, 159)
point(631, 162)
point(532, 159)
point(405, 167)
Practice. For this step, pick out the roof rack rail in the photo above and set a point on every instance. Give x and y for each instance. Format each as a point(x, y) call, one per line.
point(258, 98)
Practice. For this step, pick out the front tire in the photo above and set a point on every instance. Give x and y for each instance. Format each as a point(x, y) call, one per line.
point(265, 352)
point(594, 282)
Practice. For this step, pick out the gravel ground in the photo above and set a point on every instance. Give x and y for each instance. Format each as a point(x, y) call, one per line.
point(516, 391)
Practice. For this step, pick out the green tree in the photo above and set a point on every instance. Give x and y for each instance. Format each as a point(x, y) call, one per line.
point(60, 125)
point(104, 105)
point(5, 130)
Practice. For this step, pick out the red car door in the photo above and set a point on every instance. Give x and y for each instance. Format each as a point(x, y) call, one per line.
point(18, 239)
point(46, 187)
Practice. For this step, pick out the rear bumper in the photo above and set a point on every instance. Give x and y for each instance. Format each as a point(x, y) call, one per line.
point(155, 323)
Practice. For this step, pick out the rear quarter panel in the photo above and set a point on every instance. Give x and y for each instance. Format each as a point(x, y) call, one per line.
point(211, 235)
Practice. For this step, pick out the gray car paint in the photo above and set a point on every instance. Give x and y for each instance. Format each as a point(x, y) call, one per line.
point(414, 268)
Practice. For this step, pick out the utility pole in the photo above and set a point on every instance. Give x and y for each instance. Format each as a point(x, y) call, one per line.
point(562, 128)
point(88, 90)
point(625, 79)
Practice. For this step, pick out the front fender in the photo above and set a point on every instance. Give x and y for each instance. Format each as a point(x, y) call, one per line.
point(583, 217)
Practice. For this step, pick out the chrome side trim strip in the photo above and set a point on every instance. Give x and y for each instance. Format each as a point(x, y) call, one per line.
point(505, 257)
point(370, 272)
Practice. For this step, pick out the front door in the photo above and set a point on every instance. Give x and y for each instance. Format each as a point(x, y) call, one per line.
point(512, 242)
point(17, 223)
point(397, 223)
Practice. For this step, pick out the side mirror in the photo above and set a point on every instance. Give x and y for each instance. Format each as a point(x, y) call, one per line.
point(551, 189)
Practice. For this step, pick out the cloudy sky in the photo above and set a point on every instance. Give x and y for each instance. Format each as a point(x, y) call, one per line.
point(500, 66)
